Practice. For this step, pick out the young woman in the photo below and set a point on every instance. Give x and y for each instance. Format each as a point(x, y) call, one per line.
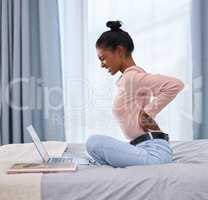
point(132, 106)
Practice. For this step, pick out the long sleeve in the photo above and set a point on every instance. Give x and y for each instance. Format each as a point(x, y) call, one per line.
point(163, 88)
point(167, 88)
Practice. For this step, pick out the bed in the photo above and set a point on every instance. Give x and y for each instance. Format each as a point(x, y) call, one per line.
point(185, 179)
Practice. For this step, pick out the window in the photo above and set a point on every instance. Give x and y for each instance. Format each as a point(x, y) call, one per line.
point(161, 33)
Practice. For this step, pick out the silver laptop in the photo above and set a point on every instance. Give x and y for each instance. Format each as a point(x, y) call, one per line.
point(56, 160)
point(43, 152)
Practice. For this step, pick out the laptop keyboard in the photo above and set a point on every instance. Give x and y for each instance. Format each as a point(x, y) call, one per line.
point(59, 160)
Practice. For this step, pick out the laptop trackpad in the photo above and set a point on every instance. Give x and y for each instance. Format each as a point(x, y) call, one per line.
point(81, 161)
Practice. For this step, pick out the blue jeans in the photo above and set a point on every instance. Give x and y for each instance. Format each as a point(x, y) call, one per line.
point(107, 150)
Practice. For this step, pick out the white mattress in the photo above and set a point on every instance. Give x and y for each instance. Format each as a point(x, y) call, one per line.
point(28, 186)
point(23, 186)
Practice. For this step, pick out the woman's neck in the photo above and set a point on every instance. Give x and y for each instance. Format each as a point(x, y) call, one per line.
point(127, 63)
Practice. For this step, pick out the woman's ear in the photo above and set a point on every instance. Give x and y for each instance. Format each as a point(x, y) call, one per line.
point(121, 51)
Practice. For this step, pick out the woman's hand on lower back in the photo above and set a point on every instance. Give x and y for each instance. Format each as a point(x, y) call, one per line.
point(147, 123)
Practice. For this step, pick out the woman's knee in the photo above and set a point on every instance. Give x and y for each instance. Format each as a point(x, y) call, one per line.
point(93, 142)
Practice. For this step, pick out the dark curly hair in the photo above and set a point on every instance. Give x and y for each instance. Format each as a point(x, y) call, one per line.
point(114, 37)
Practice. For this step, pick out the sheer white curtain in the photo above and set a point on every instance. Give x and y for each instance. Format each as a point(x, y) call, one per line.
point(161, 33)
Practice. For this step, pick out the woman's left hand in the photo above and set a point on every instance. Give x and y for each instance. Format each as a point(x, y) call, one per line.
point(147, 122)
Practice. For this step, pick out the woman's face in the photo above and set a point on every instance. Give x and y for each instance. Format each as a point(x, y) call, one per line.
point(111, 60)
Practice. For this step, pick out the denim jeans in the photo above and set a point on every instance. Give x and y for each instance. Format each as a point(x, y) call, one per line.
point(106, 150)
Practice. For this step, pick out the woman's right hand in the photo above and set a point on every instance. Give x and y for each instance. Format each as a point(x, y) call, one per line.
point(147, 123)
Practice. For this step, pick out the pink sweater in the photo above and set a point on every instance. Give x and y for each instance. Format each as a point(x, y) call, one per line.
point(138, 90)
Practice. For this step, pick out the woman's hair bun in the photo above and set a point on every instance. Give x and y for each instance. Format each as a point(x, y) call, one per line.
point(114, 25)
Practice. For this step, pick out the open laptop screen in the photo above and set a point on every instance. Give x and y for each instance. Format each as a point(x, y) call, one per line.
point(42, 151)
